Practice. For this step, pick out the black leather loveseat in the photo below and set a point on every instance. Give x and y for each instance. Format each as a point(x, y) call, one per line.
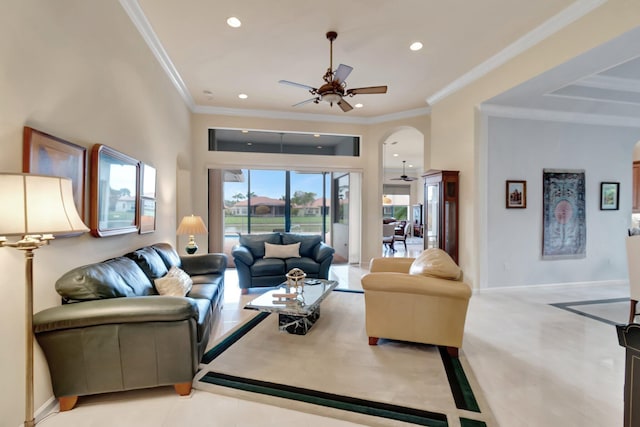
point(257, 269)
point(115, 332)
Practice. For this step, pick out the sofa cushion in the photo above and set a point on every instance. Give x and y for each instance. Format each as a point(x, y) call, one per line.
point(435, 262)
point(168, 254)
point(281, 251)
point(149, 261)
point(307, 242)
point(175, 283)
point(268, 267)
point(255, 242)
point(117, 277)
point(305, 264)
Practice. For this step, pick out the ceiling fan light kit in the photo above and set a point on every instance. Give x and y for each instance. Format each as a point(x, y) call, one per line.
point(404, 176)
point(333, 90)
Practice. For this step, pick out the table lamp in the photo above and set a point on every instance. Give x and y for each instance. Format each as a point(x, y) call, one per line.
point(191, 225)
point(34, 207)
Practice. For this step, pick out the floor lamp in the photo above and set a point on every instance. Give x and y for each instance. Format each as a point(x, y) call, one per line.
point(34, 207)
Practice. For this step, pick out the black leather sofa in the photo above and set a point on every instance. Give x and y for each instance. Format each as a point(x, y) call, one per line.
point(114, 332)
point(254, 270)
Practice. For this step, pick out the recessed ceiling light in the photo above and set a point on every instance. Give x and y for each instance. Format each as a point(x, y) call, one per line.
point(233, 22)
point(243, 96)
point(395, 155)
point(358, 105)
point(245, 131)
point(410, 166)
point(415, 46)
point(317, 135)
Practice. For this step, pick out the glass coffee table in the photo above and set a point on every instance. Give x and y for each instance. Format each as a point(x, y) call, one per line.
point(295, 316)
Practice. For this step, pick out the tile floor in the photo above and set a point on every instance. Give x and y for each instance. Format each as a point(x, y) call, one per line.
point(538, 365)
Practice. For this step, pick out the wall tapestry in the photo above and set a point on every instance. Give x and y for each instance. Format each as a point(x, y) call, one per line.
point(564, 214)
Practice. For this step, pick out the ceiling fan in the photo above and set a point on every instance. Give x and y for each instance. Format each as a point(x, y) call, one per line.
point(404, 176)
point(334, 89)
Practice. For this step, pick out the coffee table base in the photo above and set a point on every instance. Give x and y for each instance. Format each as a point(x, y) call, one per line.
point(298, 325)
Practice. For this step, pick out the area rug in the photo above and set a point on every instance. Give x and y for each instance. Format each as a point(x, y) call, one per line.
point(332, 371)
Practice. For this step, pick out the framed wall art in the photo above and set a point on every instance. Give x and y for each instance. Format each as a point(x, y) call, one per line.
point(609, 196)
point(44, 154)
point(115, 184)
point(516, 194)
point(147, 198)
point(564, 214)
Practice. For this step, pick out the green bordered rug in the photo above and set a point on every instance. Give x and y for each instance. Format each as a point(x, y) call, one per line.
point(334, 367)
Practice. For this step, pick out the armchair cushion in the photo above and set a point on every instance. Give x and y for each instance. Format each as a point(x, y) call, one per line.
point(255, 242)
point(435, 262)
point(281, 251)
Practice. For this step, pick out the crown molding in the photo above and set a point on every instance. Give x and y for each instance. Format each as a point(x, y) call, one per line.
point(137, 16)
point(558, 116)
point(554, 24)
point(608, 82)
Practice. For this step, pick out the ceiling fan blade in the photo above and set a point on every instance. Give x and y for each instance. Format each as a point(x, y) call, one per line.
point(345, 105)
point(287, 82)
point(367, 90)
point(307, 101)
point(341, 73)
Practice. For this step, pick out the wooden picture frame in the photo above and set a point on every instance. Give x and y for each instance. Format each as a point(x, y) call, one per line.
point(609, 196)
point(516, 194)
point(45, 154)
point(115, 186)
point(147, 198)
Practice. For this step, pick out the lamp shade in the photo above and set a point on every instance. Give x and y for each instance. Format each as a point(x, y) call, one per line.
point(37, 204)
point(191, 225)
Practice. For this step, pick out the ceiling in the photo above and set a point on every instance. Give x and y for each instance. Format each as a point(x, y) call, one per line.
point(211, 63)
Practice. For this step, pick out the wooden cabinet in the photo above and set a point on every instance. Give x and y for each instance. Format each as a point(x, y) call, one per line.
point(636, 187)
point(441, 211)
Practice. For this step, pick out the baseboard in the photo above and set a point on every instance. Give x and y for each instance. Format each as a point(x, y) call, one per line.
point(47, 408)
point(552, 285)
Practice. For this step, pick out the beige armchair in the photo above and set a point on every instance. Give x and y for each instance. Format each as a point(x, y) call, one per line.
point(415, 308)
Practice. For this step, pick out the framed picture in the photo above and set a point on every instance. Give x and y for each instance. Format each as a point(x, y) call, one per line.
point(115, 185)
point(564, 221)
point(609, 196)
point(147, 215)
point(147, 198)
point(516, 194)
point(45, 154)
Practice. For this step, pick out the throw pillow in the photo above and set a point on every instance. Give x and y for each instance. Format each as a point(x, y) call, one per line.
point(281, 251)
point(175, 283)
point(436, 263)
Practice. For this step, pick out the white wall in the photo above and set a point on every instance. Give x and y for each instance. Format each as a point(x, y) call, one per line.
point(520, 149)
point(79, 70)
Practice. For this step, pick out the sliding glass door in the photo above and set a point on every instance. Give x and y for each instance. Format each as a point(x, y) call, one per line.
point(264, 201)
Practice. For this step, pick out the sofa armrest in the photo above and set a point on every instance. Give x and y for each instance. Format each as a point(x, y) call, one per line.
point(415, 284)
point(322, 251)
point(212, 263)
point(115, 311)
point(397, 265)
point(243, 254)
